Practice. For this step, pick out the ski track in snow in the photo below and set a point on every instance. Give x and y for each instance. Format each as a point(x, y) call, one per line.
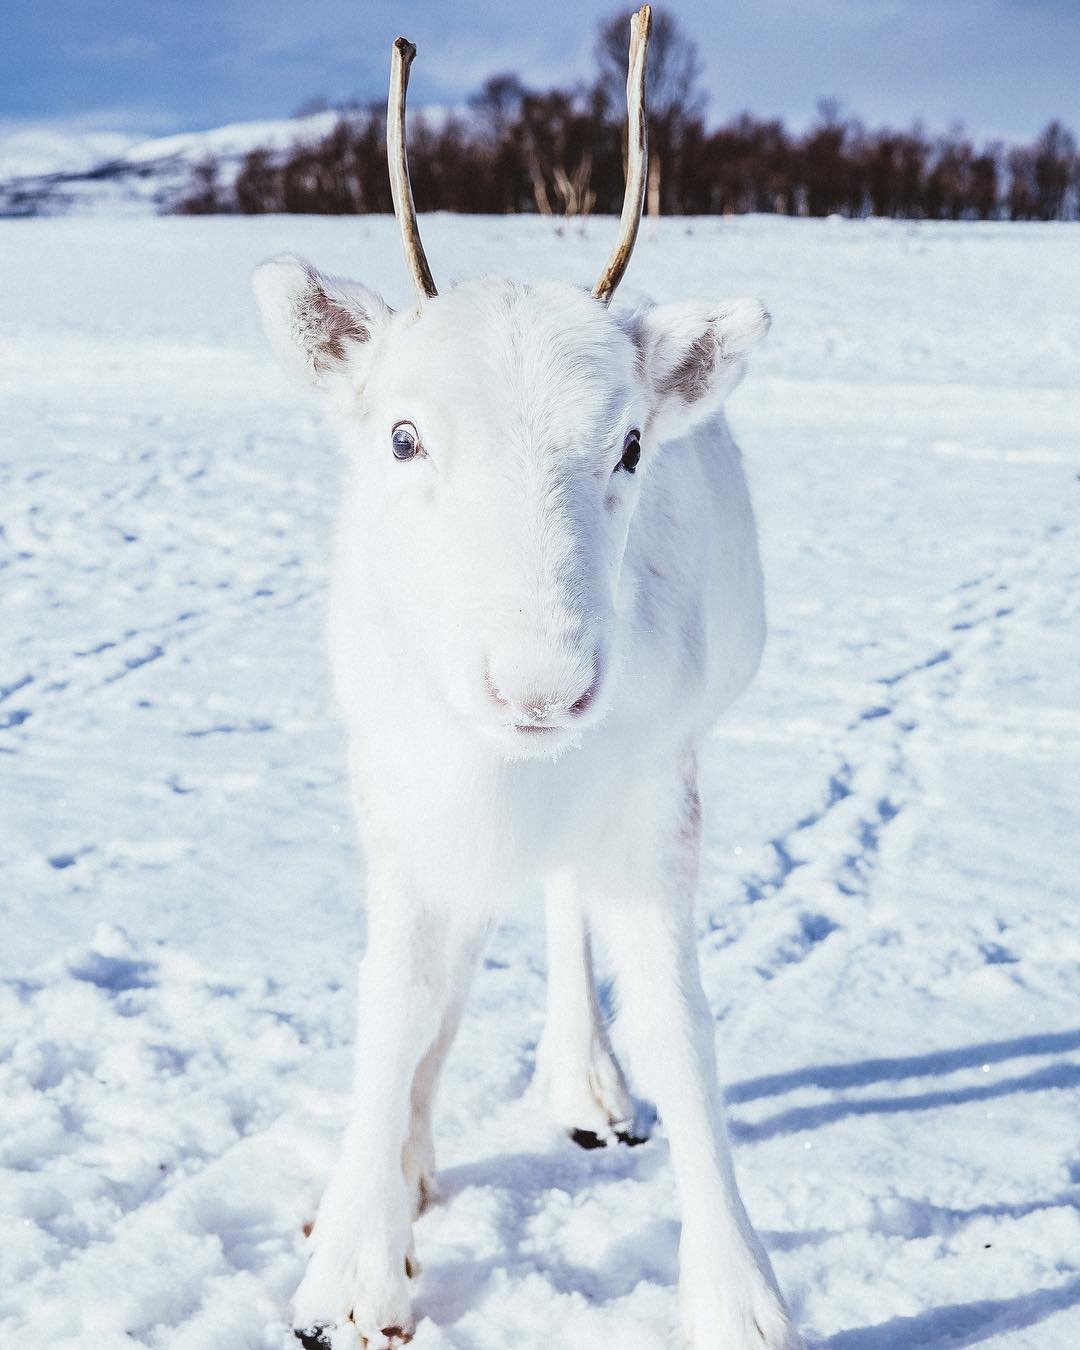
point(888, 909)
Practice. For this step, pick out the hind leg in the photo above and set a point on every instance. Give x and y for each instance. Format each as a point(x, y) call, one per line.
point(576, 1069)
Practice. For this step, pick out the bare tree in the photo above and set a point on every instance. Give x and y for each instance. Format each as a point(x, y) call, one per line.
point(205, 197)
point(557, 134)
point(674, 94)
point(560, 152)
point(498, 104)
point(830, 164)
point(1054, 169)
point(258, 187)
point(673, 84)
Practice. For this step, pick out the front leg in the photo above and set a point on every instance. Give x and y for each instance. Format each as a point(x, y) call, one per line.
point(362, 1238)
point(728, 1292)
point(418, 1158)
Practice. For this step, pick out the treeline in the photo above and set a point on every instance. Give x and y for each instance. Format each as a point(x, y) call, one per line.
point(560, 152)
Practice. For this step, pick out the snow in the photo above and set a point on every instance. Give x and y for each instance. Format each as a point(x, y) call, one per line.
point(889, 930)
point(236, 139)
point(51, 170)
point(32, 150)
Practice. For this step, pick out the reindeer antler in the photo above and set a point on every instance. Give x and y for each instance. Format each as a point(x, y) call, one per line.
point(637, 157)
point(400, 187)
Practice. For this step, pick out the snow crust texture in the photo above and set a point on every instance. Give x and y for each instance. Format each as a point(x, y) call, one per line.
point(889, 930)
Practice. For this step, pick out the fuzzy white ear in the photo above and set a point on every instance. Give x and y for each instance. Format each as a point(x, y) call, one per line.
point(694, 354)
point(318, 326)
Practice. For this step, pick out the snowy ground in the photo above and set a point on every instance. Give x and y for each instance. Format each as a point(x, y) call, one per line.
point(889, 911)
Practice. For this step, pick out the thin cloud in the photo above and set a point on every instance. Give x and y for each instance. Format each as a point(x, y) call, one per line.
point(1004, 67)
point(128, 47)
point(137, 119)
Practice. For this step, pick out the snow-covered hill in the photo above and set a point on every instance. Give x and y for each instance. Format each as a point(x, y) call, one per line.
point(889, 917)
point(48, 172)
point(37, 151)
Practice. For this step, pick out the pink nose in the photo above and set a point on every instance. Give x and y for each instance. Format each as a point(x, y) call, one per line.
point(543, 708)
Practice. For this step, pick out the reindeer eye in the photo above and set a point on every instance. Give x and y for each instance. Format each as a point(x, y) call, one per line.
point(631, 452)
point(405, 441)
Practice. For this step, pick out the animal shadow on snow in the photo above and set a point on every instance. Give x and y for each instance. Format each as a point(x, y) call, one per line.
point(523, 1181)
point(865, 1072)
point(959, 1324)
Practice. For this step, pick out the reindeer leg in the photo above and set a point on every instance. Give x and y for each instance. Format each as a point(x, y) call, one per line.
point(575, 1066)
point(418, 1157)
point(361, 1244)
point(729, 1295)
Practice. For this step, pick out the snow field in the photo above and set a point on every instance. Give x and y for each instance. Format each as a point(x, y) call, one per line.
point(889, 931)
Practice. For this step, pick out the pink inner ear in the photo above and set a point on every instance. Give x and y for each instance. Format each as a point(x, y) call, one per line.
point(690, 377)
point(329, 325)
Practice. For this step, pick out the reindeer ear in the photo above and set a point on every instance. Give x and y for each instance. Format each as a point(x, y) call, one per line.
point(694, 354)
point(318, 326)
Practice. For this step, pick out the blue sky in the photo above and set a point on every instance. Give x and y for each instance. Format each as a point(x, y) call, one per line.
point(1002, 67)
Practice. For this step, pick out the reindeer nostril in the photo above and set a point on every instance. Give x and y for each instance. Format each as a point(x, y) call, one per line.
point(584, 702)
point(493, 692)
point(540, 705)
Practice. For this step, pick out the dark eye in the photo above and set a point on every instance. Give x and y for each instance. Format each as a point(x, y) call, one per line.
point(631, 452)
point(405, 441)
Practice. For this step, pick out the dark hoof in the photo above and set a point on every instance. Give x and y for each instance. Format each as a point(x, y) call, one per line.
point(311, 1338)
point(587, 1139)
point(630, 1139)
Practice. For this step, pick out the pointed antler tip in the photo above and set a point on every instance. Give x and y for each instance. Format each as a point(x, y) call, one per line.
point(398, 163)
point(641, 28)
point(637, 151)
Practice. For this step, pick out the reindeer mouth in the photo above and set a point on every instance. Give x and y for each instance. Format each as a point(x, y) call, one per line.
point(519, 741)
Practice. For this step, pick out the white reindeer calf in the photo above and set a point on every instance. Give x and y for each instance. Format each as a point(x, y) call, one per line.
point(546, 588)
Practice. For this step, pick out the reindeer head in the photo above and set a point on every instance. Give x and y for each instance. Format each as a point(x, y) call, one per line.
point(501, 438)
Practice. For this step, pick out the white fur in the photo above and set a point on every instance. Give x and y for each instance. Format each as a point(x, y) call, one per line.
point(513, 559)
